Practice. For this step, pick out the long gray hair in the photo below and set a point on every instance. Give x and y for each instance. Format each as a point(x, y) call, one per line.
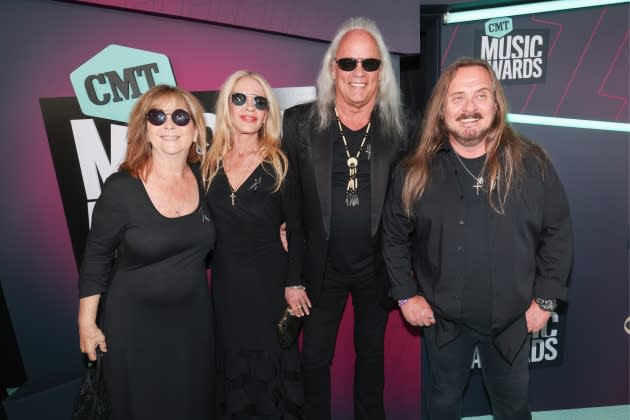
point(388, 96)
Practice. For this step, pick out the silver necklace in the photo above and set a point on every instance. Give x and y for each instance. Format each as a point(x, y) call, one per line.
point(352, 198)
point(478, 179)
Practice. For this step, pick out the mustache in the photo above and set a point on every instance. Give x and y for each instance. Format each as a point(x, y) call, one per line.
point(475, 115)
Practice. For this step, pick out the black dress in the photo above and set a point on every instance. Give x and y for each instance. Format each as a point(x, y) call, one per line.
point(158, 315)
point(255, 377)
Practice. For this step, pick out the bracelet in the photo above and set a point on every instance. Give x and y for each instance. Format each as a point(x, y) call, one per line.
point(297, 286)
point(401, 302)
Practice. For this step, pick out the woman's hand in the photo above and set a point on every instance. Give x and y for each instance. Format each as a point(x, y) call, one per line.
point(91, 336)
point(298, 300)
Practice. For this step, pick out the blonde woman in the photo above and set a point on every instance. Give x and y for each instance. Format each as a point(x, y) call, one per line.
point(249, 197)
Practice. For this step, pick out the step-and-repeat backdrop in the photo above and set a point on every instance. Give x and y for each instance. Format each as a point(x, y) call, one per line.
point(71, 73)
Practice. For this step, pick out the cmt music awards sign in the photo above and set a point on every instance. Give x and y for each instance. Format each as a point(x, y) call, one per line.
point(87, 134)
point(517, 56)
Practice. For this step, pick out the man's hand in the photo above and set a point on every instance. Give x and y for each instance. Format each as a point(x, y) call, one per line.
point(418, 312)
point(536, 318)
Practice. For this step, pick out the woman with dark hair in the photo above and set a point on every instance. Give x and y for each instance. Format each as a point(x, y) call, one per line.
point(150, 236)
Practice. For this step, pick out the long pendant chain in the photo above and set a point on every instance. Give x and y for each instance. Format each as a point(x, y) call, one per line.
point(352, 197)
point(478, 179)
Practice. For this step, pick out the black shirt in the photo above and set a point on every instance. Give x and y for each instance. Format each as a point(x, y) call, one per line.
point(351, 249)
point(529, 245)
point(477, 290)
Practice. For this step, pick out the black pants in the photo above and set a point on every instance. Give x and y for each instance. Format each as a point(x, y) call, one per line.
point(320, 334)
point(507, 385)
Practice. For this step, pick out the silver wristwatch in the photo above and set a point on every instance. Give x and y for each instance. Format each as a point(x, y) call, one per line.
point(548, 305)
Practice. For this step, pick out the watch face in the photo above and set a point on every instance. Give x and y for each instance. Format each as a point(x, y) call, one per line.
point(548, 305)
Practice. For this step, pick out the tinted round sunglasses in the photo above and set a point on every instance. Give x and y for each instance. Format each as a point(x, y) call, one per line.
point(179, 117)
point(349, 64)
point(260, 102)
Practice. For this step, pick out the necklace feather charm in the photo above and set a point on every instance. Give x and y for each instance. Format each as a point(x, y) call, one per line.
point(352, 196)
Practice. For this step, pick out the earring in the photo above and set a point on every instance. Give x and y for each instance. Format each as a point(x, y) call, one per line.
point(198, 149)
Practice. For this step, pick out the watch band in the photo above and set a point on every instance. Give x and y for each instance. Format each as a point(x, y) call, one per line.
point(548, 305)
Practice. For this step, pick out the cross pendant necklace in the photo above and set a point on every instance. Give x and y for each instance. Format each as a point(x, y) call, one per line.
point(478, 179)
point(478, 184)
point(352, 197)
point(246, 174)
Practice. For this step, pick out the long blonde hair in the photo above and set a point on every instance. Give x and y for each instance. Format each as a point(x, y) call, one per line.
point(506, 149)
point(138, 155)
point(268, 135)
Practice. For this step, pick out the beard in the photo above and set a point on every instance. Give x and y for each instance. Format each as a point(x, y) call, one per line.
point(469, 136)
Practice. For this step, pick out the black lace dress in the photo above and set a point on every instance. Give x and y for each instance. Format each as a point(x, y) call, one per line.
point(255, 378)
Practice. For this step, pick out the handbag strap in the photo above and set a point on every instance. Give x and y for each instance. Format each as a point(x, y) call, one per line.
point(98, 365)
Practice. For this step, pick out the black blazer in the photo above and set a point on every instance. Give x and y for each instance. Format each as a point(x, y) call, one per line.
point(310, 177)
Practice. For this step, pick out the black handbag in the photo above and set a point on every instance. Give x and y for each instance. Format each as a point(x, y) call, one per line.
point(93, 402)
point(288, 328)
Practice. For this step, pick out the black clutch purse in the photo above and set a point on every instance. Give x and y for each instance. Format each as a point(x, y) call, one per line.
point(92, 403)
point(288, 328)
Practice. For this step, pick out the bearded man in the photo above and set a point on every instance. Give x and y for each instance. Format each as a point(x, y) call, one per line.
point(477, 242)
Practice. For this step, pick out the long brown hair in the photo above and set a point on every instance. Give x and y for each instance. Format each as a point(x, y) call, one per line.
point(268, 135)
point(505, 152)
point(138, 156)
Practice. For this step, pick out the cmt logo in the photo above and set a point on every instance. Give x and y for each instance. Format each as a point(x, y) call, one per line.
point(499, 27)
point(108, 84)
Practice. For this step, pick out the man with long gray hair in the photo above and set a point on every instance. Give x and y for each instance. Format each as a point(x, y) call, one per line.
point(342, 149)
point(477, 242)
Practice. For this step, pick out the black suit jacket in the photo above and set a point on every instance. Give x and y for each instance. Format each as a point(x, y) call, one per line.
point(310, 177)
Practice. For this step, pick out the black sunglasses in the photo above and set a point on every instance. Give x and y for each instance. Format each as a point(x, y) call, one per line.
point(179, 117)
point(349, 64)
point(260, 102)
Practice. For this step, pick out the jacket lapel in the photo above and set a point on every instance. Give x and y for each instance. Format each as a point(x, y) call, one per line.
point(379, 174)
point(322, 146)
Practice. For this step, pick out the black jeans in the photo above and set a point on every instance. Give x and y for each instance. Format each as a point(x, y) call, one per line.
point(507, 385)
point(320, 334)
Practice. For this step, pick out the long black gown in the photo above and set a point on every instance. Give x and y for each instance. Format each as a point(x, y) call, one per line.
point(249, 269)
point(158, 315)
